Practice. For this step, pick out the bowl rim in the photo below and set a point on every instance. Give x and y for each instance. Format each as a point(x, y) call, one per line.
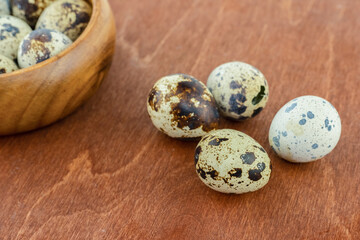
point(95, 4)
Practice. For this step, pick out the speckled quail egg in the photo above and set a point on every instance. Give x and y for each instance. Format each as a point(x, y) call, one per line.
point(29, 10)
point(4, 7)
point(240, 90)
point(182, 107)
point(7, 65)
point(12, 31)
point(40, 45)
point(305, 129)
point(67, 16)
point(230, 161)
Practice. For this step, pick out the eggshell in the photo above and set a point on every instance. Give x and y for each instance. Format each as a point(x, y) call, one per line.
point(12, 31)
point(67, 16)
point(305, 129)
point(230, 161)
point(7, 65)
point(4, 7)
point(40, 45)
point(240, 90)
point(29, 10)
point(182, 107)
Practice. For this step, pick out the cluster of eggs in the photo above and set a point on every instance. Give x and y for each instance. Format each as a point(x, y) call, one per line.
point(38, 30)
point(229, 161)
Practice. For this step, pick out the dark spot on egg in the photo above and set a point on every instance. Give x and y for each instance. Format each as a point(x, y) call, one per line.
point(237, 110)
point(315, 146)
point(25, 47)
point(310, 115)
point(237, 98)
point(255, 174)
point(201, 173)
point(248, 158)
point(197, 153)
point(261, 166)
point(46, 55)
point(67, 5)
point(235, 85)
point(292, 106)
point(2, 70)
point(204, 138)
point(188, 114)
point(41, 35)
point(260, 148)
point(276, 141)
point(217, 141)
point(259, 96)
point(255, 73)
point(213, 174)
point(236, 102)
point(81, 18)
point(236, 172)
point(257, 111)
point(8, 29)
point(302, 121)
point(155, 98)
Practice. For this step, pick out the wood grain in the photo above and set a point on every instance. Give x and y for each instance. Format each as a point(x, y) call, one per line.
point(106, 173)
point(37, 96)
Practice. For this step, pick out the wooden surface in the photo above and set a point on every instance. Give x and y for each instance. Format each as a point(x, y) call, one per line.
point(39, 95)
point(106, 173)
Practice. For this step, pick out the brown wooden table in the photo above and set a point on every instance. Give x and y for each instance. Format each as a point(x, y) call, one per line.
point(106, 173)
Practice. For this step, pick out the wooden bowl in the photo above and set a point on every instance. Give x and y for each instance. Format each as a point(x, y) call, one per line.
point(37, 96)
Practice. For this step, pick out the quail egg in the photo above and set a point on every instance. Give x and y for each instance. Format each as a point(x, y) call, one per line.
point(240, 90)
point(4, 7)
point(12, 31)
point(230, 161)
point(305, 129)
point(29, 10)
point(67, 16)
point(40, 45)
point(182, 107)
point(7, 65)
